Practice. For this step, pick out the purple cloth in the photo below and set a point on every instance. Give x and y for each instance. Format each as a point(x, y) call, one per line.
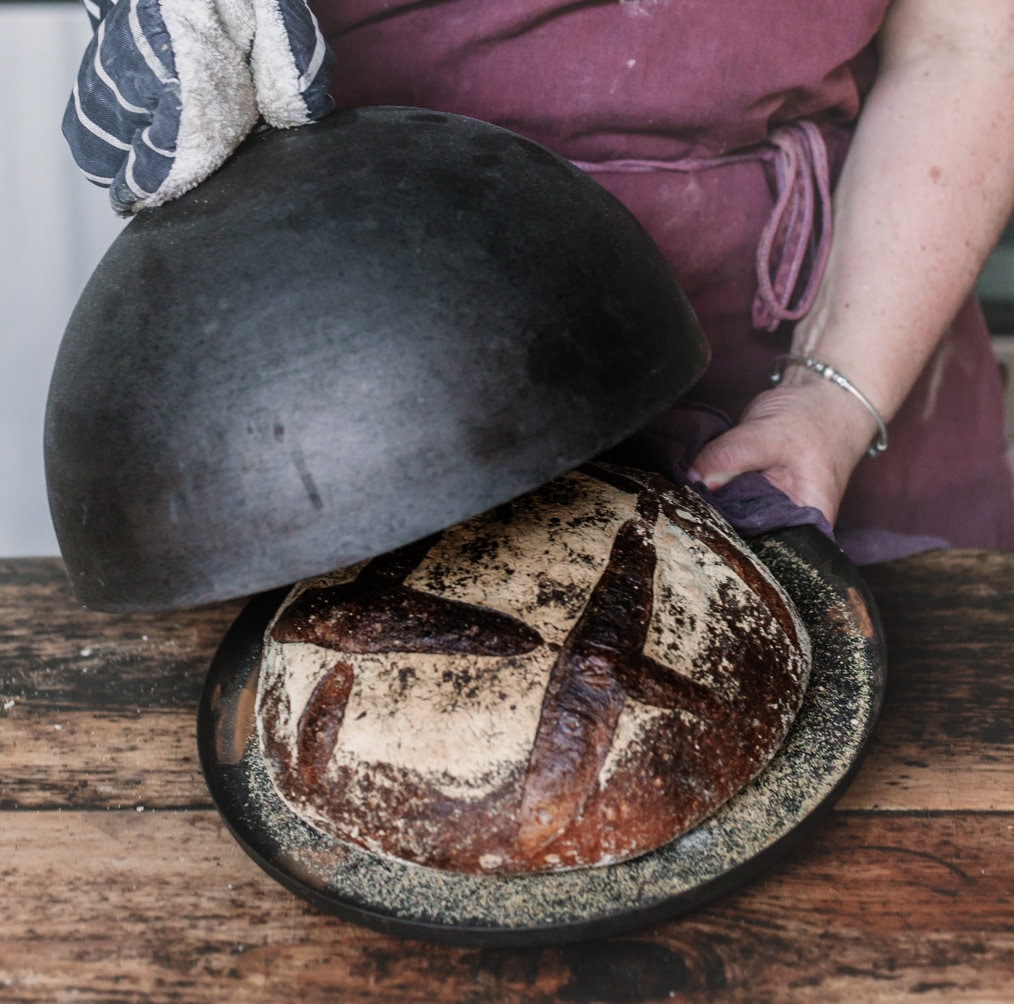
point(872, 546)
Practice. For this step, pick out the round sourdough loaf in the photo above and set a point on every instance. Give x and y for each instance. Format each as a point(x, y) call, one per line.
point(569, 680)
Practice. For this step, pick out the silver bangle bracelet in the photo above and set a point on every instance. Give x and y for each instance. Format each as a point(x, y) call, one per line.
point(830, 373)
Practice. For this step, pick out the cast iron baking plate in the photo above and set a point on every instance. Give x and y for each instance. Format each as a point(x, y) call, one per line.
point(819, 757)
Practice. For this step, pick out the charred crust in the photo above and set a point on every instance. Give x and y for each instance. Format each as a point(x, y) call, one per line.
point(376, 612)
point(555, 810)
point(321, 721)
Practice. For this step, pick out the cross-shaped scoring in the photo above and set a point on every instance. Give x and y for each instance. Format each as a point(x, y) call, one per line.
point(690, 738)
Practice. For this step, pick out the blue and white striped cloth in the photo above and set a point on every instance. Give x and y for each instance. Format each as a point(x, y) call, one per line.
point(168, 88)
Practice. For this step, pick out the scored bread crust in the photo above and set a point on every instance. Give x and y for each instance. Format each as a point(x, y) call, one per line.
point(569, 680)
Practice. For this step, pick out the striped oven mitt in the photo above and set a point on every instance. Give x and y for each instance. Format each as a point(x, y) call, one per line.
point(168, 89)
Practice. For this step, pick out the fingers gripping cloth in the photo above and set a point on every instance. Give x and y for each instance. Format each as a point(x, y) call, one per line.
point(167, 89)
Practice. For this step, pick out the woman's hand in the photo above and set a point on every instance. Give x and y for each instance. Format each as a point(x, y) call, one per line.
point(805, 436)
point(168, 89)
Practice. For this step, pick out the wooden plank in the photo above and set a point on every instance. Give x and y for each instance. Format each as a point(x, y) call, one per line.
point(946, 735)
point(163, 906)
point(100, 760)
point(109, 698)
point(54, 652)
point(57, 758)
point(98, 709)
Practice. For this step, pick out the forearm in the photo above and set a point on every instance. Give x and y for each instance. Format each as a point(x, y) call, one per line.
point(926, 188)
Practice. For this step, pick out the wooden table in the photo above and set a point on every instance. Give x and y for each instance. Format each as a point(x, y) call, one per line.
point(119, 882)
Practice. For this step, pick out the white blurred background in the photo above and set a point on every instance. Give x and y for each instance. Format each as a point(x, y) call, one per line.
point(54, 227)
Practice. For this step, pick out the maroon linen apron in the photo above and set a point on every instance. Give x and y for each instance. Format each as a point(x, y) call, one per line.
point(720, 124)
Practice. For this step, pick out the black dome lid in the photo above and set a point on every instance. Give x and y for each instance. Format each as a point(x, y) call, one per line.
point(355, 334)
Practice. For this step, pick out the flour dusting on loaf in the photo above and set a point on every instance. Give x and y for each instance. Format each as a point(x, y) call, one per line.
point(569, 680)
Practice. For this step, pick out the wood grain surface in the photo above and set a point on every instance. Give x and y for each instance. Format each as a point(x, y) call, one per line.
point(120, 883)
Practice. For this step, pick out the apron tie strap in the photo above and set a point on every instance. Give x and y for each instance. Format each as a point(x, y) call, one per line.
point(796, 240)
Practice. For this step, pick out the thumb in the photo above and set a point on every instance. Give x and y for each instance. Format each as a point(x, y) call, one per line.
point(727, 456)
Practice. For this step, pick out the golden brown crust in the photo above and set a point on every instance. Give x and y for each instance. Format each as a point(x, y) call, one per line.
point(574, 679)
